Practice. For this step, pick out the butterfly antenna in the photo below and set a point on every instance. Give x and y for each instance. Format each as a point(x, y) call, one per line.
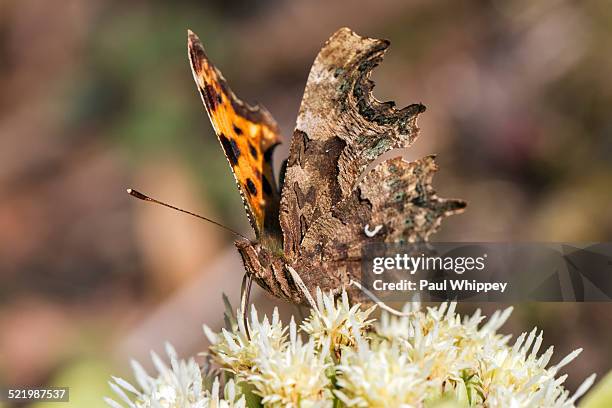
point(144, 197)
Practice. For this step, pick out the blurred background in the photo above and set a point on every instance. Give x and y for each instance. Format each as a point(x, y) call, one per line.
point(97, 96)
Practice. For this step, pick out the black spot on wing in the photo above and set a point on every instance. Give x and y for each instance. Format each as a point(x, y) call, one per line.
point(210, 96)
point(230, 148)
point(253, 150)
point(250, 186)
point(237, 130)
point(268, 155)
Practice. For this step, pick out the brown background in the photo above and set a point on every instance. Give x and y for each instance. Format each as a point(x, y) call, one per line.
point(97, 96)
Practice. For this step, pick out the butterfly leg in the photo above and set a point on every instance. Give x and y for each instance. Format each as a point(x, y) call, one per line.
point(379, 302)
point(245, 292)
point(303, 288)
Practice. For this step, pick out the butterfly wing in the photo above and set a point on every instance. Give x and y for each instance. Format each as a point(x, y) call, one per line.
point(248, 136)
point(341, 129)
point(395, 203)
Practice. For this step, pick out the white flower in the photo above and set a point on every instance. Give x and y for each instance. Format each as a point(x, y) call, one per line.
point(295, 375)
point(176, 386)
point(427, 358)
point(380, 377)
point(518, 377)
point(235, 352)
point(332, 321)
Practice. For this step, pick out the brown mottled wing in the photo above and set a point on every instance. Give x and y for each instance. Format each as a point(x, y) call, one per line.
point(394, 203)
point(247, 135)
point(341, 129)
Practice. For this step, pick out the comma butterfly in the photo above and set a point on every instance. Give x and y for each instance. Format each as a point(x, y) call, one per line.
point(317, 218)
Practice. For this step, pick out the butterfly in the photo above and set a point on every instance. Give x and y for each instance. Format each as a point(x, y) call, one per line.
point(332, 197)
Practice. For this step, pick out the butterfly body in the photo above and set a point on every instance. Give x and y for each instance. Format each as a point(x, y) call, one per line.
point(335, 197)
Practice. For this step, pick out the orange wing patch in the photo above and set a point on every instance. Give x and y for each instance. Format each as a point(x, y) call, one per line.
point(247, 135)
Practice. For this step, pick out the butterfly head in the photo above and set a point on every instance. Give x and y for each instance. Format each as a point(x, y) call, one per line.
point(262, 263)
point(258, 254)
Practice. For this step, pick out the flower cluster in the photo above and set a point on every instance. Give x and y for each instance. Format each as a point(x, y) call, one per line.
point(179, 385)
point(336, 323)
point(339, 357)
